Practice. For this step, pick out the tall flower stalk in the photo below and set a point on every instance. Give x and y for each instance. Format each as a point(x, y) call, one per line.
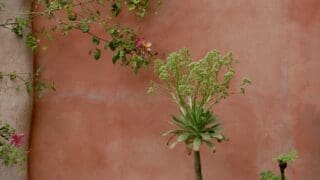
point(196, 86)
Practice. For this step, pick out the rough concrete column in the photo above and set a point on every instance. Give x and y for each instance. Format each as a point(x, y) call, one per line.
point(15, 107)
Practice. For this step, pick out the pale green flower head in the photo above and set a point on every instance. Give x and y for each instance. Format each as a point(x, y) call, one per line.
point(195, 86)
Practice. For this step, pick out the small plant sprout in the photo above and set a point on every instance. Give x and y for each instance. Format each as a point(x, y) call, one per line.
point(283, 160)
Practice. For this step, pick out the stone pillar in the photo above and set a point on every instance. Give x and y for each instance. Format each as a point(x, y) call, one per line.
point(15, 106)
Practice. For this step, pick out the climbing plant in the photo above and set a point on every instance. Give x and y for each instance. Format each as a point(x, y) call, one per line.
point(32, 83)
point(196, 86)
point(65, 16)
point(88, 17)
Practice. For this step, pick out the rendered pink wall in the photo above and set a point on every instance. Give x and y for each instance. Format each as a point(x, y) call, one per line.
point(100, 124)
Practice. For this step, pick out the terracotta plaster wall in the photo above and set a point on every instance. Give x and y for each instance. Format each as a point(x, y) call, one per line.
point(101, 125)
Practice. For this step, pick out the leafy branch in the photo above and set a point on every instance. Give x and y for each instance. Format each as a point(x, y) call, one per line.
point(67, 15)
point(30, 82)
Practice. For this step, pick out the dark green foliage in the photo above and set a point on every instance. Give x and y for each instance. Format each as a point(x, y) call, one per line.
point(6, 130)
point(96, 54)
point(123, 42)
point(116, 8)
point(95, 40)
point(196, 126)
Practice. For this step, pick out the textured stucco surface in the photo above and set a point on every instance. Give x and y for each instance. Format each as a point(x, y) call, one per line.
point(15, 107)
point(100, 124)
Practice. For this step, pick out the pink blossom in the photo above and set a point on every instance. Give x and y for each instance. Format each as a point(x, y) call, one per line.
point(17, 139)
point(139, 42)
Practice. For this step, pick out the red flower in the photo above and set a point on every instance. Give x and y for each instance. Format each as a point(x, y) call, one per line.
point(17, 139)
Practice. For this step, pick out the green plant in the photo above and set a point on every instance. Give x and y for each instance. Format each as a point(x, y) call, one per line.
point(84, 16)
point(282, 160)
point(140, 6)
point(11, 152)
point(286, 158)
point(196, 86)
point(32, 83)
point(130, 49)
point(268, 175)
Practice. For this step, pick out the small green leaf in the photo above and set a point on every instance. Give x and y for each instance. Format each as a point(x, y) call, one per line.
point(206, 136)
point(246, 81)
point(116, 8)
point(112, 45)
point(84, 28)
point(174, 131)
point(112, 30)
point(196, 144)
point(72, 16)
point(116, 57)
point(29, 86)
point(17, 88)
point(95, 40)
point(242, 90)
point(183, 137)
point(32, 42)
point(97, 54)
point(19, 26)
point(217, 136)
point(107, 45)
point(121, 53)
point(211, 146)
point(131, 7)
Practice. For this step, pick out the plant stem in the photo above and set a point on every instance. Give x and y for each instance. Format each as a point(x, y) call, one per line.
point(282, 167)
point(197, 165)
